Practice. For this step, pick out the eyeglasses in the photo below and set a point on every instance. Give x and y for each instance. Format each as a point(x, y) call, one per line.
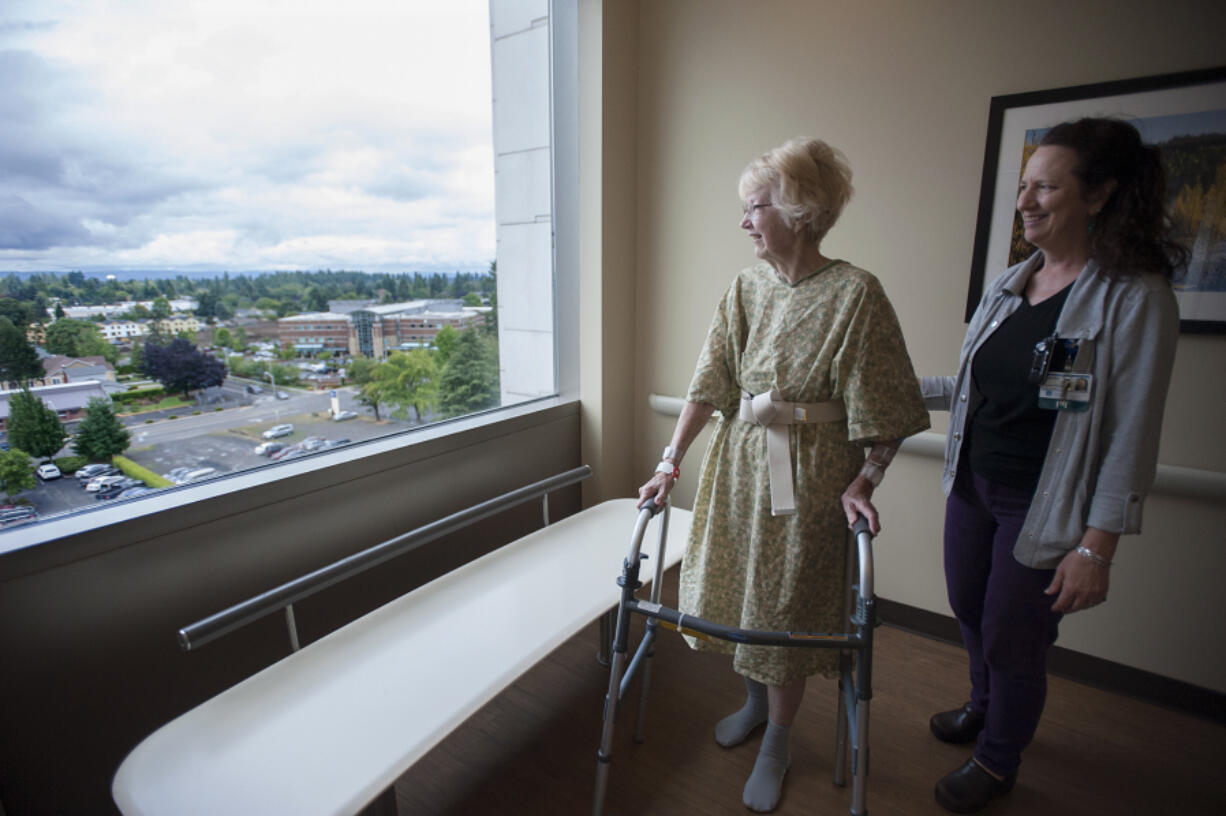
point(748, 210)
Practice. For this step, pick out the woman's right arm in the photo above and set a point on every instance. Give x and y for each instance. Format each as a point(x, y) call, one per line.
point(938, 392)
point(693, 418)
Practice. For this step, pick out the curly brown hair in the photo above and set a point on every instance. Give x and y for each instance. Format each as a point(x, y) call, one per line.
point(1132, 232)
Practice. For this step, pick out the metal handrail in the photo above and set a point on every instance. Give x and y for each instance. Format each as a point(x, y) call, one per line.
point(214, 626)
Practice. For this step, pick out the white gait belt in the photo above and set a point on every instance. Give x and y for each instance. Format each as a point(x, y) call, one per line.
point(776, 415)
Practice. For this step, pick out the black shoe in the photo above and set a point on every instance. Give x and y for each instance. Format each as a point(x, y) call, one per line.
point(957, 726)
point(969, 788)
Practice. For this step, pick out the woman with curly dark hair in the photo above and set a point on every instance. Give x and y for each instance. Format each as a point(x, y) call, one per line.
point(1056, 411)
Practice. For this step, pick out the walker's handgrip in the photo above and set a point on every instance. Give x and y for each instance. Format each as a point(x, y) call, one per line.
point(861, 525)
point(651, 507)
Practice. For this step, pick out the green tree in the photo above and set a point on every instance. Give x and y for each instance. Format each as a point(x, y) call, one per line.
point(370, 396)
point(360, 370)
point(60, 314)
point(444, 343)
point(160, 309)
point(240, 339)
point(18, 360)
point(78, 338)
point(472, 299)
point(222, 338)
point(17, 312)
point(406, 380)
point(100, 435)
point(33, 427)
point(316, 300)
point(136, 357)
point(16, 473)
point(470, 379)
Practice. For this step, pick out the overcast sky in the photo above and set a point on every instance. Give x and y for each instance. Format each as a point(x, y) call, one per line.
point(245, 135)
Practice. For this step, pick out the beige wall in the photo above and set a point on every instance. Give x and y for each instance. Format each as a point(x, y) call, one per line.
point(903, 88)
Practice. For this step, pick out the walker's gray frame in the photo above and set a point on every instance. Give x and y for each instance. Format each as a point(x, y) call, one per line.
point(855, 684)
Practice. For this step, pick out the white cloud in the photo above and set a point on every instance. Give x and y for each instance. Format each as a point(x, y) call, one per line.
point(244, 134)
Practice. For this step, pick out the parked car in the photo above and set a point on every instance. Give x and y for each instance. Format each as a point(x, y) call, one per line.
point(13, 514)
point(312, 443)
point(254, 389)
point(286, 451)
point(138, 490)
point(87, 472)
point(112, 490)
point(175, 474)
point(48, 472)
point(290, 453)
point(277, 431)
point(282, 395)
point(268, 448)
point(198, 475)
point(335, 443)
point(341, 416)
point(99, 482)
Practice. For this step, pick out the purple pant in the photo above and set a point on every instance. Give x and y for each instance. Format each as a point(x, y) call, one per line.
point(1006, 620)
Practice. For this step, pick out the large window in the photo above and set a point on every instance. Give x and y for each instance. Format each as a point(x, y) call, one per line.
point(266, 198)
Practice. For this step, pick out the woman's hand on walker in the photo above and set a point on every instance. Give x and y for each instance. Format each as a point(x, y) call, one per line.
point(656, 489)
point(855, 501)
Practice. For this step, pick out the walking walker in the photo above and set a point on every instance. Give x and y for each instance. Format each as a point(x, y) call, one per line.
point(855, 677)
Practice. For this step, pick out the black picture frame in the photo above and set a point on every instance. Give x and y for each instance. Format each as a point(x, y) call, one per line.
point(1128, 99)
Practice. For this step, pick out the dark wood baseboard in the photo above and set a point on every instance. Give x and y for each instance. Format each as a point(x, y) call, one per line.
point(1093, 671)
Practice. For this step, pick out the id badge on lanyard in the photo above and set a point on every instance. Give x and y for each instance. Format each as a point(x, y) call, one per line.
point(1059, 388)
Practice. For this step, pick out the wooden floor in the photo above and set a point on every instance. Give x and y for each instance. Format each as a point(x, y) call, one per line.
point(532, 750)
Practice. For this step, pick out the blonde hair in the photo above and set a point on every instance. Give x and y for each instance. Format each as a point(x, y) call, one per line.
point(809, 182)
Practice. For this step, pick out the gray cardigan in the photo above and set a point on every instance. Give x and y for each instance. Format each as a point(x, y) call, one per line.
point(1100, 463)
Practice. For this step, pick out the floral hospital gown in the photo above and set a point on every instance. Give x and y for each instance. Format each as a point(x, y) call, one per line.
point(831, 336)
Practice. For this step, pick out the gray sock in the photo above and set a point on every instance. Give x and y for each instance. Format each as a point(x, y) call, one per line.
point(733, 729)
point(765, 784)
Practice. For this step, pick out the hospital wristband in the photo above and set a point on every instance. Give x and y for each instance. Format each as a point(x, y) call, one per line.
point(671, 468)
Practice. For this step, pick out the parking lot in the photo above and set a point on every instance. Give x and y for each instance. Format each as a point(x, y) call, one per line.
point(224, 441)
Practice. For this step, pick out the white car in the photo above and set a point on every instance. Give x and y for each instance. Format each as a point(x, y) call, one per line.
point(341, 416)
point(199, 474)
point(48, 471)
point(94, 485)
point(175, 474)
point(278, 430)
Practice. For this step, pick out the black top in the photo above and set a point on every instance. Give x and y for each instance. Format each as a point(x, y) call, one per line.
point(1008, 431)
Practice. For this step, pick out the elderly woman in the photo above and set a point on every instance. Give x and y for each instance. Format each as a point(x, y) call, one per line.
point(1053, 438)
point(805, 363)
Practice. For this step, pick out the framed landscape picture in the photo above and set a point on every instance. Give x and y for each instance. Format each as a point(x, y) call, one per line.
point(1183, 114)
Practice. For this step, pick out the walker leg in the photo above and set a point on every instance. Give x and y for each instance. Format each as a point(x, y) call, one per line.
point(840, 725)
point(605, 755)
point(859, 762)
point(640, 721)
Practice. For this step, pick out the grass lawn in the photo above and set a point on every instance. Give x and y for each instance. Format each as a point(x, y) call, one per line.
point(168, 402)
